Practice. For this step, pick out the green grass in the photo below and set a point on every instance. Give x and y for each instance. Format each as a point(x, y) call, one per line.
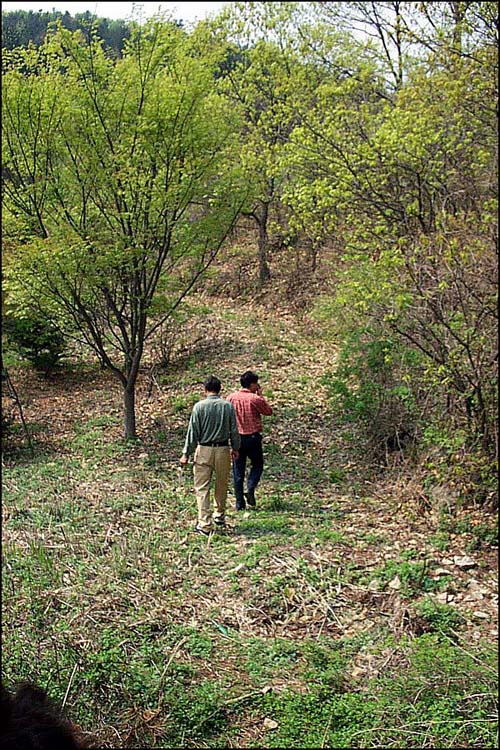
point(106, 619)
point(267, 636)
point(414, 577)
point(440, 540)
point(158, 637)
point(441, 618)
point(419, 707)
point(182, 403)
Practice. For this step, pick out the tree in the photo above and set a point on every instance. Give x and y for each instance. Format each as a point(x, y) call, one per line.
point(409, 173)
point(271, 86)
point(124, 174)
point(325, 165)
point(20, 28)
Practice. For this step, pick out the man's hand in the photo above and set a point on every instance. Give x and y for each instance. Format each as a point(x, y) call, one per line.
point(183, 459)
point(234, 455)
point(258, 391)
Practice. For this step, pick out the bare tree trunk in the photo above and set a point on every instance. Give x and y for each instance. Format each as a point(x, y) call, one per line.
point(264, 272)
point(458, 10)
point(129, 411)
point(399, 46)
point(15, 397)
point(314, 259)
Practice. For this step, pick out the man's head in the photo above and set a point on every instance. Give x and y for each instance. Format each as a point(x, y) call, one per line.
point(249, 380)
point(212, 384)
point(28, 718)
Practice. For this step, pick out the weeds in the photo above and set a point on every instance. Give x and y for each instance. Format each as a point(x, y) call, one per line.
point(439, 617)
point(412, 578)
point(269, 636)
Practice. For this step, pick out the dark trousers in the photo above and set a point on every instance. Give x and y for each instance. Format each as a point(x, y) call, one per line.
point(251, 448)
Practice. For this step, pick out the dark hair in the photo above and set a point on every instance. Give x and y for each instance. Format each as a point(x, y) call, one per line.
point(29, 719)
point(212, 384)
point(248, 378)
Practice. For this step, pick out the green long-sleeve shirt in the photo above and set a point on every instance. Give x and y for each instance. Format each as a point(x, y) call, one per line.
point(212, 420)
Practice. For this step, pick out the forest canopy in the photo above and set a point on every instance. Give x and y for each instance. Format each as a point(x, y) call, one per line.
point(23, 27)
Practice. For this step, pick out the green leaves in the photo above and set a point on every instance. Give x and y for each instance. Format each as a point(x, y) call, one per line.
point(127, 171)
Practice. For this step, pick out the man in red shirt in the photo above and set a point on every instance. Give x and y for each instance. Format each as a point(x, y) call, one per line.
point(249, 405)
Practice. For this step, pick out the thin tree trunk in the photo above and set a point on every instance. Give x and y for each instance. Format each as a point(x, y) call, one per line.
point(458, 10)
point(129, 411)
point(314, 260)
point(264, 272)
point(16, 398)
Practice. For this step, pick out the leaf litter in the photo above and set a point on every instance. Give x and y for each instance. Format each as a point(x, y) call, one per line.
point(315, 573)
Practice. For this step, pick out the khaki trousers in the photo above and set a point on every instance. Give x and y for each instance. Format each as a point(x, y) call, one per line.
point(208, 460)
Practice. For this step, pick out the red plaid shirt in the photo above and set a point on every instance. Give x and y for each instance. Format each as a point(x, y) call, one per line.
point(248, 407)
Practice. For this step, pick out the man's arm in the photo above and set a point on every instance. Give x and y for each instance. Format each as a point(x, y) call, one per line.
point(234, 437)
point(192, 436)
point(263, 407)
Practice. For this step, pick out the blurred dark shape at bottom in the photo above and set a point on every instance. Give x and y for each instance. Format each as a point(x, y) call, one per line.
point(29, 720)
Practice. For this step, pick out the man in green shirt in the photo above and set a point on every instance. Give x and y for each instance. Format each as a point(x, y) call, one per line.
point(212, 429)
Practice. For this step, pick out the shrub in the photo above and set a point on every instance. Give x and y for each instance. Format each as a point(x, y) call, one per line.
point(37, 340)
point(370, 386)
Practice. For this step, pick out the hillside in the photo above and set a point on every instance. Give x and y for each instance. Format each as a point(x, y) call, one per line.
point(344, 612)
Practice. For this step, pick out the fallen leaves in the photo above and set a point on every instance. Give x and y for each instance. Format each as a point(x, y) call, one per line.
point(270, 724)
point(373, 521)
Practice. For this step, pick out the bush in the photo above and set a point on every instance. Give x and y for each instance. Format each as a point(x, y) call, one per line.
point(370, 386)
point(439, 617)
point(37, 340)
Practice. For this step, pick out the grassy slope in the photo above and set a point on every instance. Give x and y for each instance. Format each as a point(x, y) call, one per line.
point(333, 616)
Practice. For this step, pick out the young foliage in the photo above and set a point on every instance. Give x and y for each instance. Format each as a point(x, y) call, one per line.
point(408, 182)
point(272, 86)
point(126, 177)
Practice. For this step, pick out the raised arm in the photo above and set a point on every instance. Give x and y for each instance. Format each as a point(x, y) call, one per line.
point(262, 406)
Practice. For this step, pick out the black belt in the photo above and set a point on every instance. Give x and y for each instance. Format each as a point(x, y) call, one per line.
point(215, 444)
